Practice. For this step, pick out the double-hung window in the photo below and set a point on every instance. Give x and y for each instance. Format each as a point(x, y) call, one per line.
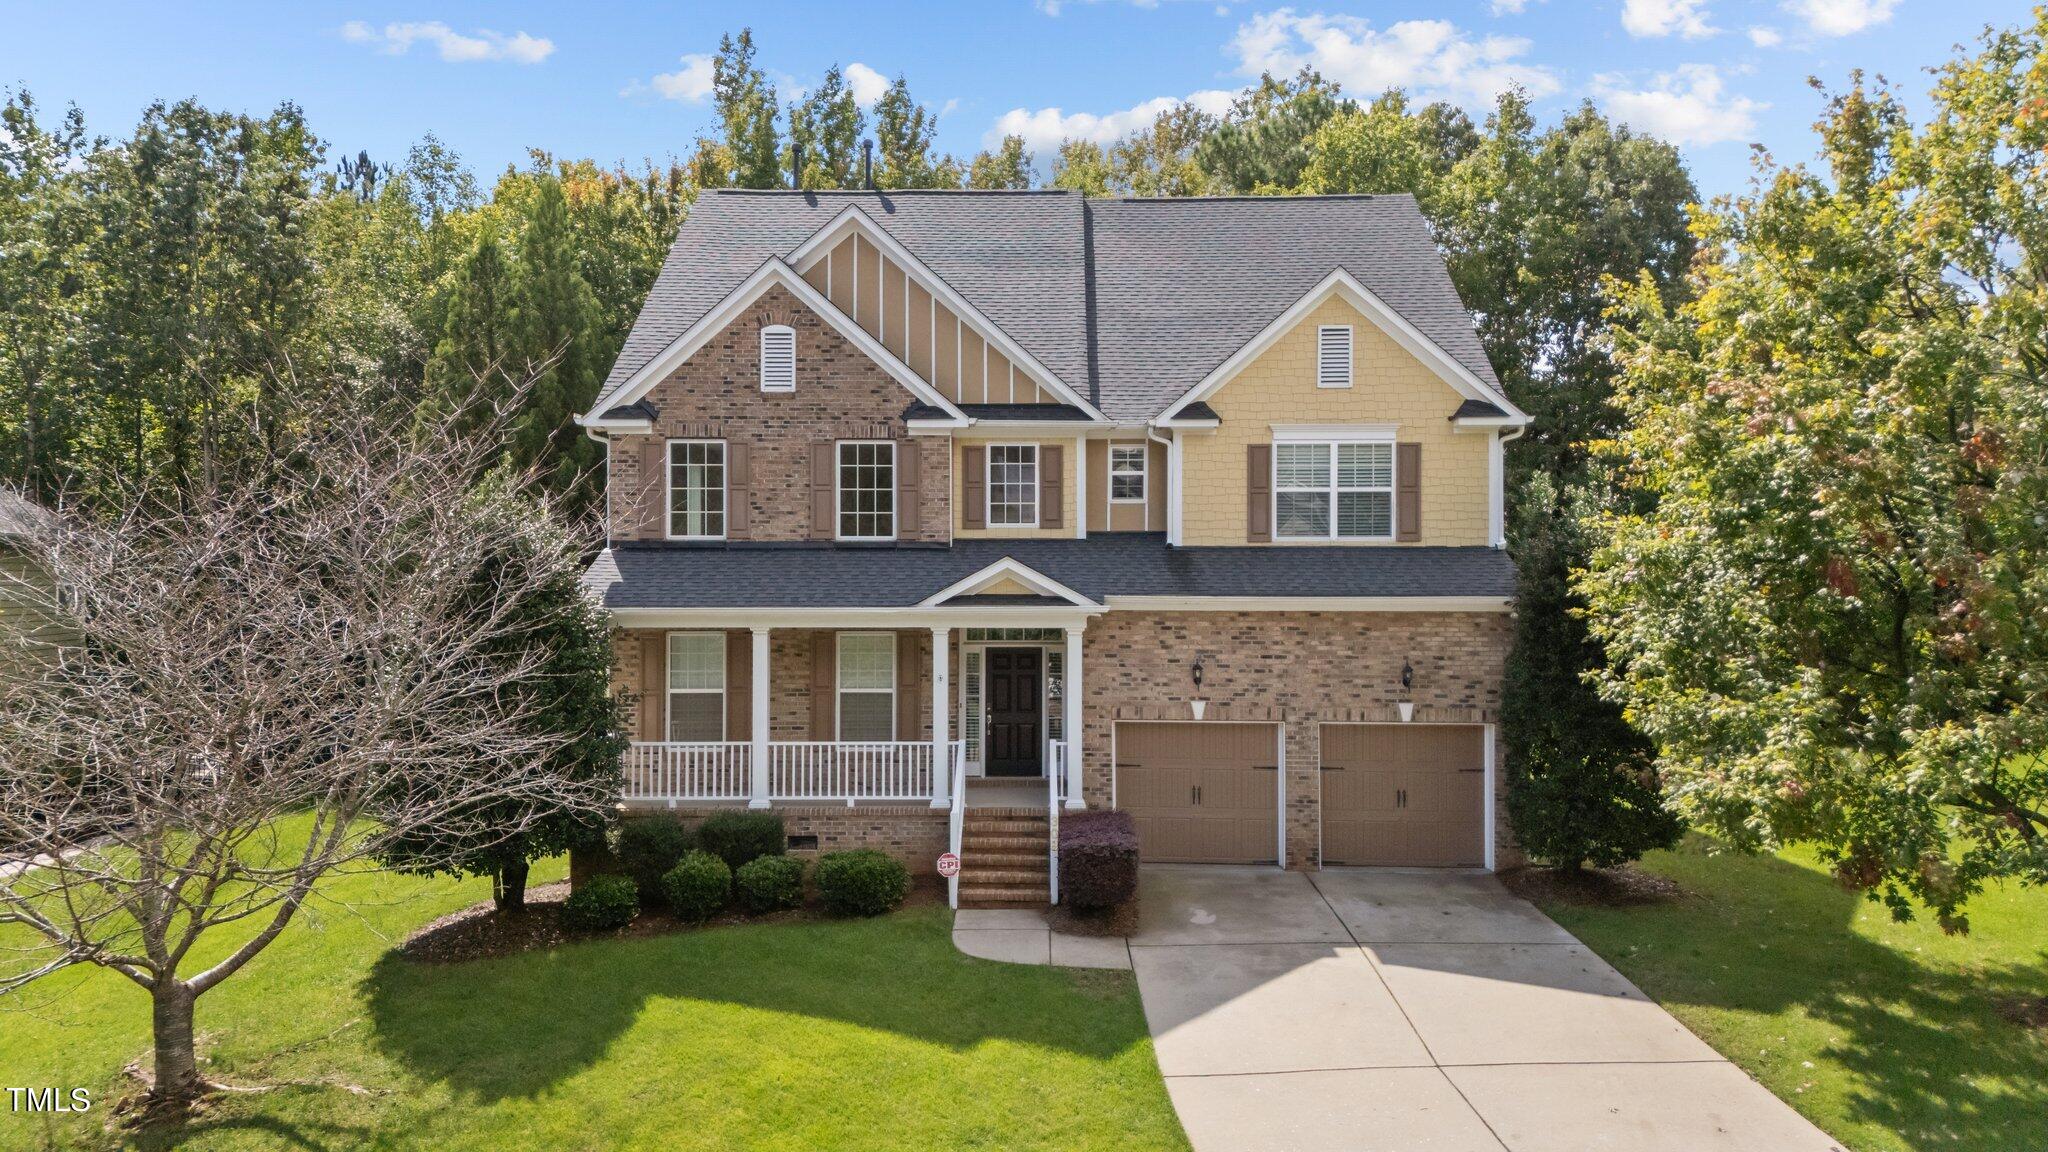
point(696, 489)
point(1333, 491)
point(867, 490)
point(696, 686)
point(1127, 473)
point(867, 686)
point(1013, 485)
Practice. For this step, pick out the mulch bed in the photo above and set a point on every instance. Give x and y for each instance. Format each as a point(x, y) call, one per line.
point(1623, 887)
point(479, 931)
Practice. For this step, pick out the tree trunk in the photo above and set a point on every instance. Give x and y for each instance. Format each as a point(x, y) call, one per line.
point(177, 1064)
point(508, 887)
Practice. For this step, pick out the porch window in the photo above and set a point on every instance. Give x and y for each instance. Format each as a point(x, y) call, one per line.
point(696, 489)
point(867, 490)
point(696, 686)
point(1013, 485)
point(867, 686)
point(1127, 474)
point(1333, 491)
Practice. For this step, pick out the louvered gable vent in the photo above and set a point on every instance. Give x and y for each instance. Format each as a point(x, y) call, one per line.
point(1333, 356)
point(778, 358)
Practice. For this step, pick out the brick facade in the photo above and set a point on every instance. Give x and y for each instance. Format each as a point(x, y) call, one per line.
point(913, 834)
point(840, 395)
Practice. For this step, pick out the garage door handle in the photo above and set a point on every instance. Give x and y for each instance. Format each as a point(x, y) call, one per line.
point(1333, 767)
point(1265, 767)
point(1471, 769)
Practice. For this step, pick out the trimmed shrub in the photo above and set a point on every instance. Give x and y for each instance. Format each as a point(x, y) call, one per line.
point(648, 846)
point(739, 836)
point(1098, 859)
point(861, 882)
point(770, 883)
point(697, 887)
point(601, 904)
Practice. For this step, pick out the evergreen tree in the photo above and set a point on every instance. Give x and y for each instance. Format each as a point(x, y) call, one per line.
point(473, 360)
point(1263, 142)
point(555, 326)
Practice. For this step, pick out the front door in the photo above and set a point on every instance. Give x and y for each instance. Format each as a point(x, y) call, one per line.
point(1015, 713)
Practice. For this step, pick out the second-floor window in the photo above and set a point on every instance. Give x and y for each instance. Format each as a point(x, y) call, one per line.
point(1333, 491)
point(696, 489)
point(1127, 473)
point(867, 490)
point(1013, 485)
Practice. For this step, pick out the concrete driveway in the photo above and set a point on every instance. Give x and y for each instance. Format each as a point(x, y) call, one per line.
point(1410, 1011)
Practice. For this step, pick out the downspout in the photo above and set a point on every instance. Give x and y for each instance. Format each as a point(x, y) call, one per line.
point(1503, 440)
point(1172, 491)
point(599, 437)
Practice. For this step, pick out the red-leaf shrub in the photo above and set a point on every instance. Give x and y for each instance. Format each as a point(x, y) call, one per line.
point(1098, 859)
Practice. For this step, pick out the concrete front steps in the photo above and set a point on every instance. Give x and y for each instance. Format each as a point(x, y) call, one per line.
point(1003, 858)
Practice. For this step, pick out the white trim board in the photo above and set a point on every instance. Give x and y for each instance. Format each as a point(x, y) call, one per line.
point(771, 273)
point(1340, 283)
point(1011, 569)
point(1309, 603)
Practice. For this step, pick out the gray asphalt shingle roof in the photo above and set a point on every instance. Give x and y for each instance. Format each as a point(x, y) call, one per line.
point(1121, 564)
point(1131, 302)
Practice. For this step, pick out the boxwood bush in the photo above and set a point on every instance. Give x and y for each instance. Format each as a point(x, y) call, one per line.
point(601, 904)
point(739, 836)
point(770, 883)
point(697, 887)
point(1098, 859)
point(647, 847)
point(861, 882)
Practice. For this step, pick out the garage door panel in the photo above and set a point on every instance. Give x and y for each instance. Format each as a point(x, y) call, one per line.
point(1403, 795)
point(1200, 793)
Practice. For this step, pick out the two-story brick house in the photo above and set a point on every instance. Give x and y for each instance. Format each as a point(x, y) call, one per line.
point(1189, 507)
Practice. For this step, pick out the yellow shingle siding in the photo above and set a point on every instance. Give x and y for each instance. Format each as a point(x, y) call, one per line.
point(1389, 386)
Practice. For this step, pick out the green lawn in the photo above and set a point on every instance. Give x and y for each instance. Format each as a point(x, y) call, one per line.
point(1886, 1035)
point(842, 1034)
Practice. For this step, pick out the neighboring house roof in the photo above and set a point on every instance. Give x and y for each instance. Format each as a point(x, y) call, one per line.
point(17, 513)
point(1133, 302)
point(1122, 564)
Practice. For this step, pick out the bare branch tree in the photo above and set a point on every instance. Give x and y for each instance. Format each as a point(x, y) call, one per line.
point(280, 675)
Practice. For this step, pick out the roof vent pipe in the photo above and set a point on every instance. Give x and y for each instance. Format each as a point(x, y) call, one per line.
point(796, 165)
point(867, 164)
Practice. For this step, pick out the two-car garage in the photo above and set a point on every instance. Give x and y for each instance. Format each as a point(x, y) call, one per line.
point(1410, 795)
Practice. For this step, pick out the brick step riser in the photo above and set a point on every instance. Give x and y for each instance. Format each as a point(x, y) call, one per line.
point(1006, 828)
point(1015, 845)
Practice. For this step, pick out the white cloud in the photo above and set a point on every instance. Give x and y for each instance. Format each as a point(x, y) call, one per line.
point(1510, 7)
point(1055, 7)
point(867, 84)
point(1765, 37)
point(690, 84)
point(1044, 128)
point(1652, 18)
point(453, 46)
point(1685, 106)
point(1841, 17)
point(1432, 59)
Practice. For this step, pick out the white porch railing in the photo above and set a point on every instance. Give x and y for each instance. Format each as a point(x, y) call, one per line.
point(850, 771)
point(668, 773)
point(1055, 784)
point(956, 819)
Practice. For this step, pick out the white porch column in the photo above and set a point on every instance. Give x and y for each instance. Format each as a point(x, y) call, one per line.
point(757, 760)
point(942, 725)
point(1073, 720)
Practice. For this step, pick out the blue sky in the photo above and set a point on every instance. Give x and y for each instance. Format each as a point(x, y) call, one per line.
point(629, 81)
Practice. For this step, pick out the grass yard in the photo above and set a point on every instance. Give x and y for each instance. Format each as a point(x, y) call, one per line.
point(1887, 1035)
point(838, 1034)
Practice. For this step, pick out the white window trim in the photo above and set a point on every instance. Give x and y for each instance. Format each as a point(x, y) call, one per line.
point(668, 488)
point(777, 329)
point(1350, 354)
point(1144, 473)
point(668, 695)
point(839, 490)
point(988, 480)
point(839, 690)
point(1393, 487)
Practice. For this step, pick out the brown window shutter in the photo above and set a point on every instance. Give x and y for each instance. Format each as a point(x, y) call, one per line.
point(907, 674)
point(1258, 489)
point(824, 685)
point(906, 488)
point(1408, 493)
point(739, 482)
point(974, 462)
point(1052, 486)
point(653, 684)
point(653, 510)
point(739, 686)
point(824, 507)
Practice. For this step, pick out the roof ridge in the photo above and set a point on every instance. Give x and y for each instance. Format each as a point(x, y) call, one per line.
point(888, 192)
point(1248, 197)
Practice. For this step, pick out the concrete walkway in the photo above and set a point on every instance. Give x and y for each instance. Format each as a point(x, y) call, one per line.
point(1018, 936)
point(1371, 1010)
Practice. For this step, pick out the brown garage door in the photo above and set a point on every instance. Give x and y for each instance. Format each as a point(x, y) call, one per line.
point(1201, 793)
point(1404, 794)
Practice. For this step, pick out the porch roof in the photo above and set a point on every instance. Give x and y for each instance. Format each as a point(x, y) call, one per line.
point(1102, 568)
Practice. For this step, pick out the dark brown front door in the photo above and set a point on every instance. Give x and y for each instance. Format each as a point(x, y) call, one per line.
point(1016, 713)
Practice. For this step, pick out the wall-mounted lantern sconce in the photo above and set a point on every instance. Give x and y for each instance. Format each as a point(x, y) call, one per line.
point(1197, 706)
point(1406, 706)
point(1196, 672)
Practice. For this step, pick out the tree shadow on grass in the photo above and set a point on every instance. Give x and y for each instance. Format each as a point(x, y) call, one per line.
point(515, 1026)
point(1936, 1060)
